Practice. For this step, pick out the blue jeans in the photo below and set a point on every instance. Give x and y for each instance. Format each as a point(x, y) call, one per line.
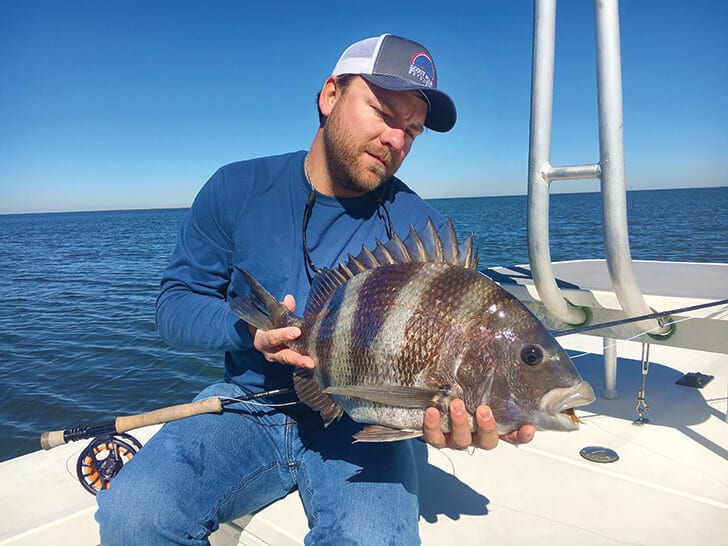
point(200, 471)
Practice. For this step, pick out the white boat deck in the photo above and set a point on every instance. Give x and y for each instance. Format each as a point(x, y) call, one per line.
point(669, 486)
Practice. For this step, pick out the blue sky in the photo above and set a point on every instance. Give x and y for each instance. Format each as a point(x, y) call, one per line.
point(112, 105)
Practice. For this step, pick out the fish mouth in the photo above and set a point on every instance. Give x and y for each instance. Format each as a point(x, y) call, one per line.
point(559, 405)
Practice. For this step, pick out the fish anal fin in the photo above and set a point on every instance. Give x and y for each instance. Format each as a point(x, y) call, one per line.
point(310, 393)
point(380, 433)
point(390, 395)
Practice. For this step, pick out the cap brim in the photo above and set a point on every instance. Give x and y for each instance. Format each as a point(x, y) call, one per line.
point(442, 114)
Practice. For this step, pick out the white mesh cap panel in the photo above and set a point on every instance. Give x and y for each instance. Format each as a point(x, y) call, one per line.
point(359, 57)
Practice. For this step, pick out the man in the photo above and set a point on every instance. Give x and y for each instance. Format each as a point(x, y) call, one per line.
point(281, 218)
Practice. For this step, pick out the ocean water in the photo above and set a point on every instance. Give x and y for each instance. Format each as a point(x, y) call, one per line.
point(77, 290)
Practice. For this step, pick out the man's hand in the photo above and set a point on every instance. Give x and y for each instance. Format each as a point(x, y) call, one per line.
point(272, 343)
point(460, 436)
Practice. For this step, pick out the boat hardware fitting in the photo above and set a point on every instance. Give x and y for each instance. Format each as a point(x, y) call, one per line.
point(642, 407)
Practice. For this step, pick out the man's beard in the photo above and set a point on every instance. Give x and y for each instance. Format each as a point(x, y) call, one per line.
point(342, 155)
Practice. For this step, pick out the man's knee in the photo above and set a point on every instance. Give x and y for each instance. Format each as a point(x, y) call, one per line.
point(123, 517)
point(137, 511)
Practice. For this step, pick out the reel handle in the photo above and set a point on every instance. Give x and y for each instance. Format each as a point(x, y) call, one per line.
point(55, 438)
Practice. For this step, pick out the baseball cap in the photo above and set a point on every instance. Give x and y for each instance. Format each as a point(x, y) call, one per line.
point(399, 64)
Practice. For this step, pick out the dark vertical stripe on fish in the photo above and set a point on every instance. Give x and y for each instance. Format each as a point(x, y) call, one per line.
point(437, 321)
point(327, 325)
point(375, 299)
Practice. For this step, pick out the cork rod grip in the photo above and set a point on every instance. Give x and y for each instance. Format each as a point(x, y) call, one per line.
point(52, 438)
point(171, 413)
point(55, 438)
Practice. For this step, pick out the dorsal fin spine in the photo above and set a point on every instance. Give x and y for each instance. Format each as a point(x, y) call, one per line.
point(415, 246)
point(384, 255)
point(398, 250)
point(450, 245)
point(355, 265)
point(368, 259)
point(435, 253)
point(433, 249)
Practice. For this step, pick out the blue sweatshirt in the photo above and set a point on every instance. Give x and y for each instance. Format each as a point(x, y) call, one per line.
point(250, 214)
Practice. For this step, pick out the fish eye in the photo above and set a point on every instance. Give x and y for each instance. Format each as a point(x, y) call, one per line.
point(532, 354)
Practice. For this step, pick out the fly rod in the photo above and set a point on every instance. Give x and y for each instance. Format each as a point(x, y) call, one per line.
point(120, 425)
point(111, 448)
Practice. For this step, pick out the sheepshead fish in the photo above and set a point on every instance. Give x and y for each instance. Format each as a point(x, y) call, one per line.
point(412, 324)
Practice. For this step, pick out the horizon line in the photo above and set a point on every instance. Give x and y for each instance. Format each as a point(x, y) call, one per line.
point(432, 198)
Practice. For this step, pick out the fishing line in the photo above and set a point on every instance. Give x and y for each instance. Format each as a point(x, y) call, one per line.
point(655, 315)
point(586, 353)
point(232, 400)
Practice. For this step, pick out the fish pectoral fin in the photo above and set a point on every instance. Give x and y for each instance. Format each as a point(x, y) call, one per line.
point(309, 392)
point(380, 433)
point(390, 395)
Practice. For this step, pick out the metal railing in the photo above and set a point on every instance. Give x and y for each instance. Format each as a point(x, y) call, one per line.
point(609, 170)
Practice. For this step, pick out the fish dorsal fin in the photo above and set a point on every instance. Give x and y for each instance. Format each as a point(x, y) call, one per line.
point(429, 246)
point(323, 285)
point(425, 246)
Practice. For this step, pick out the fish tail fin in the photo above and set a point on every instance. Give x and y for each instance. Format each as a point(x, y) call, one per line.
point(260, 308)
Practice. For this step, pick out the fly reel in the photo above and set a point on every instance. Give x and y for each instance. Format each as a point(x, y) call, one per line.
point(103, 458)
point(111, 448)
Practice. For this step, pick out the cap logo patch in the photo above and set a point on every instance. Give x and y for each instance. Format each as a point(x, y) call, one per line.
point(422, 69)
